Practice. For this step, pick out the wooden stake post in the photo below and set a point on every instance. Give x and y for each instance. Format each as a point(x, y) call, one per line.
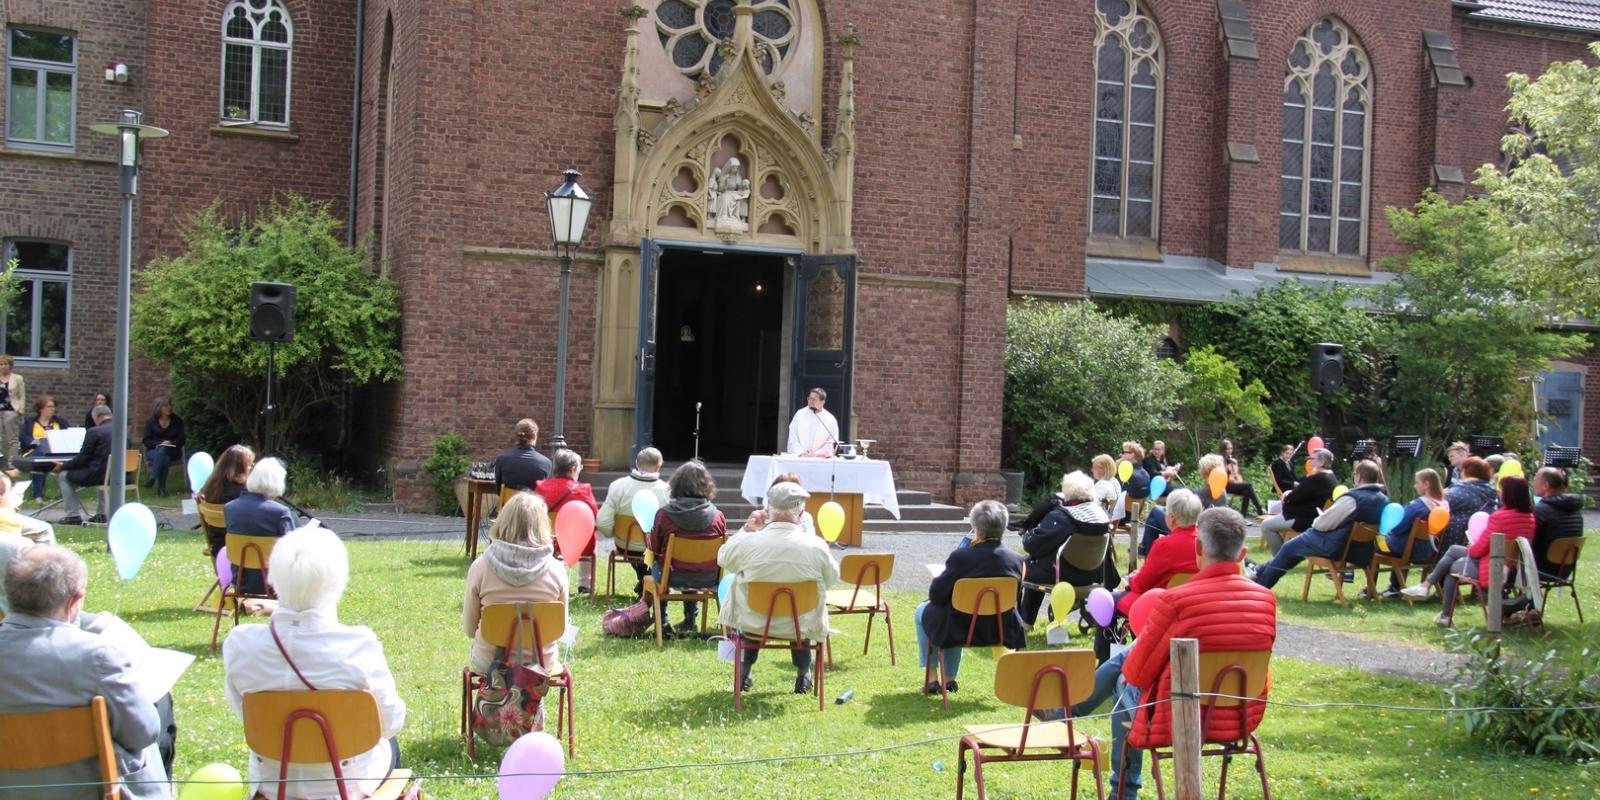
point(1497, 580)
point(1186, 735)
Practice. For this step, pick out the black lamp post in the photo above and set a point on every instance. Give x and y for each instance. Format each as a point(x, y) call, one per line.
point(569, 213)
point(129, 130)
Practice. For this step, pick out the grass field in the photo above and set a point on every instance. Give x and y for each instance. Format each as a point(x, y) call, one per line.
point(642, 709)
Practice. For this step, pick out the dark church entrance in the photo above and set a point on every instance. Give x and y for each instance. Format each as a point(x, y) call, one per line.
point(719, 343)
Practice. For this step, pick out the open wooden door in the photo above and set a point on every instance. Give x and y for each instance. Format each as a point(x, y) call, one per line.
point(644, 392)
point(824, 333)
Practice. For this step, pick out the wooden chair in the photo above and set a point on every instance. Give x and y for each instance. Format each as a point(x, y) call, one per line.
point(866, 573)
point(627, 534)
point(975, 597)
point(1564, 553)
point(683, 550)
point(133, 463)
point(214, 523)
point(1035, 681)
point(45, 739)
point(1179, 579)
point(1400, 563)
point(1513, 558)
point(244, 552)
point(1133, 526)
point(1235, 674)
point(1360, 533)
point(520, 628)
point(343, 723)
point(775, 600)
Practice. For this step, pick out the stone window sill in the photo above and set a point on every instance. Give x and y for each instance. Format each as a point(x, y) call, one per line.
point(1354, 266)
point(253, 132)
point(1135, 249)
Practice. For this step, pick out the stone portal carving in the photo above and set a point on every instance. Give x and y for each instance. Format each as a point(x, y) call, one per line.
point(728, 203)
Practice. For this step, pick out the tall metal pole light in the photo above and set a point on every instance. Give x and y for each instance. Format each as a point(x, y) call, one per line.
point(569, 213)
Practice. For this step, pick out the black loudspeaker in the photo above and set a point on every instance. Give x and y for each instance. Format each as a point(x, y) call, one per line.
point(271, 311)
point(1327, 366)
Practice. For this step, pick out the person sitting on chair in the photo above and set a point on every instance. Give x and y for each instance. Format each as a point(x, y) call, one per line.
point(1514, 518)
point(14, 521)
point(34, 431)
point(690, 514)
point(1080, 525)
point(645, 477)
point(563, 487)
point(1559, 515)
point(944, 629)
point(1328, 532)
point(1430, 495)
point(781, 552)
point(224, 486)
point(519, 567)
point(305, 647)
point(1220, 608)
point(1237, 485)
point(1155, 463)
point(1474, 491)
point(1138, 482)
point(1172, 554)
point(87, 468)
point(1457, 454)
point(522, 467)
point(1302, 504)
point(257, 512)
point(1155, 523)
point(1283, 471)
point(163, 443)
point(56, 658)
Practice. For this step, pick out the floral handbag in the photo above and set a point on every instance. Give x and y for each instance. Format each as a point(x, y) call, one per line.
point(510, 701)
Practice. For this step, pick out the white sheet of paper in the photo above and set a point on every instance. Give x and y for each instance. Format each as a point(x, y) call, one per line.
point(935, 569)
point(66, 440)
point(189, 506)
point(19, 490)
point(1121, 509)
point(156, 670)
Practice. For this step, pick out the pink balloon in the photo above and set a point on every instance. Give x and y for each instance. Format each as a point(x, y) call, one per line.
point(1102, 606)
point(1140, 612)
point(1476, 525)
point(531, 766)
point(224, 568)
point(1314, 444)
point(574, 531)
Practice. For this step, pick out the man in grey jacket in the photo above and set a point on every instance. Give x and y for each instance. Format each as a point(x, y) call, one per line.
point(52, 663)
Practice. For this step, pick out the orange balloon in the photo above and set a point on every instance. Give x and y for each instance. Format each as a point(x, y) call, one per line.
point(1311, 467)
point(1217, 482)
point(1438, 520)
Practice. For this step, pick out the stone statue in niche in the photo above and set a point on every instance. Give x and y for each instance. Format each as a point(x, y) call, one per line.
point(729, 200)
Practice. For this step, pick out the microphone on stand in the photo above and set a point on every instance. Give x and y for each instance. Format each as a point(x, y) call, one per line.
point(697, 430)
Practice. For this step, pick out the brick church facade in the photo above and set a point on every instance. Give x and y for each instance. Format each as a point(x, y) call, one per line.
point(787, 192)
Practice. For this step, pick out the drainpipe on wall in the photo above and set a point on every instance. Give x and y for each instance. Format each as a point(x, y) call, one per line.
point(347, 399)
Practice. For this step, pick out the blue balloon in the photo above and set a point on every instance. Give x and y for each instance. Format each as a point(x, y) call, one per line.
point(200, 467)
point(1392, 515)
point(1158, 487)
point(644, 505)
point(131, 535)
point(724, 589)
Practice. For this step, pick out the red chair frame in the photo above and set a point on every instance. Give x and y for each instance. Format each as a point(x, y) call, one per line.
point(531, 635)
point(1089, 751)
point(1000, 609)
point(233, 589)
point(874, 564)
point(1248, 745)
point(743, 643)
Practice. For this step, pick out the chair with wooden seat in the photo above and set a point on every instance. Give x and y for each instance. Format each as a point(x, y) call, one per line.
point(519, 628)
point(683, 550)
point(1400, 563)
point(1133, 526)
point(977, 598)
point(1563, 556)
point(1035, 680)
point(214, 524)
point(865, 574)
point(1513, 559)
point(245, 551)
point(46, 739)
point(1179, 579)
point(324, 726)
point(1360, 533)
point(133, 463)
point(1224, 677)
point(775, 600)
point(628, 543)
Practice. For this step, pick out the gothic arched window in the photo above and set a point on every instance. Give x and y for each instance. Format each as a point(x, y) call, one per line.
point(257, 38)
point(1327, 105)
point(1127, 121)
point(690, 31)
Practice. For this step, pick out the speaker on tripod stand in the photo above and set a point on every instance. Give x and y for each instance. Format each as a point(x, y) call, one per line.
point(271, 321)
point(1327, 374)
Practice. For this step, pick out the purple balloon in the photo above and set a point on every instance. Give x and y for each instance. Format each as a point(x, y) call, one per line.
point(224, 568)
point(531, 767)
point(1102, 606)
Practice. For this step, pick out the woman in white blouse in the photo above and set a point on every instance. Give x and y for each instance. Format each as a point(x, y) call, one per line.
point(309, 569)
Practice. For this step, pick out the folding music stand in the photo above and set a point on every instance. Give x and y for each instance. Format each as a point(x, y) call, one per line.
point(1486, 445)
point(1363, 449)
point(1405, 447)
point(1563, 457)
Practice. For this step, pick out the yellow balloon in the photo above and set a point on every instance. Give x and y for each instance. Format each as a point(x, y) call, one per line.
point(1125, 470)
point(213, 782)
point(1061, 599)
point(1511, 469)
point(830, 520)
point(1338, 491)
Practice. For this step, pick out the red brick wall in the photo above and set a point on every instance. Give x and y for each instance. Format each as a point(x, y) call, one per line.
point(1487, 53)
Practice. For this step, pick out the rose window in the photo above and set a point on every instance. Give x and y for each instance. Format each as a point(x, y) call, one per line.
point(691, 29)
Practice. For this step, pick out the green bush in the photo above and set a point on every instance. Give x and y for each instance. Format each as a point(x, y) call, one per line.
point(1078, 381)
point(313, 488)
point(1218, 403)
point(448, 462)
point(1556, 695)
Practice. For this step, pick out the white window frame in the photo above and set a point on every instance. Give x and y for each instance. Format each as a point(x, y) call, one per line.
point(253, 8)
point(1132, 58)
point(1362, 83)
point(37, 278)
point(41, 68)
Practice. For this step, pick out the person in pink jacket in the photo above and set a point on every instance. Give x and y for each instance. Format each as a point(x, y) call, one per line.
point(1514, 519)
point(518, 567)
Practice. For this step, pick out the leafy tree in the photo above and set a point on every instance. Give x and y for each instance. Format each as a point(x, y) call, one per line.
point(1217, 401)
point(1551, 194)
point(1079, 381)
point(1462, 334)
point(191, 316)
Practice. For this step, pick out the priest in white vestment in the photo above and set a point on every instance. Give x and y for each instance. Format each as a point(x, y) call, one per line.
point(813, 431)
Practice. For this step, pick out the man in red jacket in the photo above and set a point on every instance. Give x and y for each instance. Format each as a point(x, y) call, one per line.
point(1219, 607)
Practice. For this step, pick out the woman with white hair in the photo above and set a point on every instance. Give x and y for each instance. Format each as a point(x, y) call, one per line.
point(1080, 532)
point(257, 512)
point(305, 647)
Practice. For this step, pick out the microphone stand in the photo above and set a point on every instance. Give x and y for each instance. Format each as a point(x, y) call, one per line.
point(697, 430)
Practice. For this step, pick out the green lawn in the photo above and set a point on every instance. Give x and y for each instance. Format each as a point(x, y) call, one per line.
point(639, 706)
